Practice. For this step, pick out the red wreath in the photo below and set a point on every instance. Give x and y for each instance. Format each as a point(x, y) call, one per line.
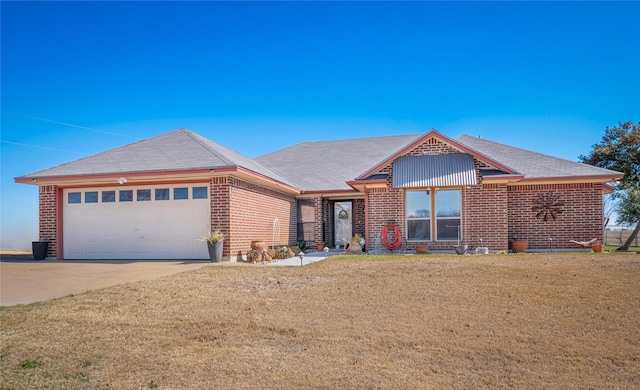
point(397, 241)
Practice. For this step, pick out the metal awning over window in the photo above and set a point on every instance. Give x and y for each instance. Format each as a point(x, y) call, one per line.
point(439, 170)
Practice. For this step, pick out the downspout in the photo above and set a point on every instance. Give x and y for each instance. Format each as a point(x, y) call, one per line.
point(366, 217)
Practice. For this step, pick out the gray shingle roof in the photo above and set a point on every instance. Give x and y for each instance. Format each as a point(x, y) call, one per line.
point(177, 150)
point(309, 166)
point(328, 165)
point(531, 164)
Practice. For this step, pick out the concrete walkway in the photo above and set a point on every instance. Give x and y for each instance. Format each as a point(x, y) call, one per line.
point(309, 258)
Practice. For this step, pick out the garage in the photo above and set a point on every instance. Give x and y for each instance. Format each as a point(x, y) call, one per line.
point(136, 222)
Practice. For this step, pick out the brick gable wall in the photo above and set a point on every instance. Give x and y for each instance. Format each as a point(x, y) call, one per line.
point(495, 212)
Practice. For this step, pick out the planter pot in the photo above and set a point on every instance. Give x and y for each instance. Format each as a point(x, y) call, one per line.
point(482, 250)
point(519, 246)
point(422, 249)
point(257, 245)
point(39, 249)
point(319, 247)
point(215, 251)
point(597, 247)
point(461, 249)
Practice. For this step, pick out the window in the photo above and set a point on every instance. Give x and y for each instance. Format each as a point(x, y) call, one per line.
point(448, 212)
point(162, 194)
point(447, 219)
point(108, 196)
point(126, 196)
point(419, 215)
point(91, 197)
point(199, 192)
point(143, 195)
point(180, 193)
point(74, 197)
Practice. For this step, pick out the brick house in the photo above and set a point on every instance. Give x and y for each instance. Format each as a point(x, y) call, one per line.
point(152, 199)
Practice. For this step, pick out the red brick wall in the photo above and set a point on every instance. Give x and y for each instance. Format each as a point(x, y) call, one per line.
point(319, 217)
point(484, 215)
point(48, 218)
point(385, 205)
point(358, 216)
point(252, 210)
point(581, 217)
point(496, 212)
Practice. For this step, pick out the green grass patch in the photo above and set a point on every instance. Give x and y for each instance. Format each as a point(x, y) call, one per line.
point(30, 363)
point(613, 248)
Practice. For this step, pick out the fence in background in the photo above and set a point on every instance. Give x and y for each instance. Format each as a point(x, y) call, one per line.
point(618, 237)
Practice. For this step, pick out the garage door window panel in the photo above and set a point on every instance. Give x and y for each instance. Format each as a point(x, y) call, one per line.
point(91, 197)
point(200, 192)
point(143, 195)
point(180, 193)
point(108, 196)
point(126, 195)
point(74, 197)
point(162, 194)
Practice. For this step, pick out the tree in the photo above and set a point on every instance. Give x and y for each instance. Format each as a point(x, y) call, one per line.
point(620, 150)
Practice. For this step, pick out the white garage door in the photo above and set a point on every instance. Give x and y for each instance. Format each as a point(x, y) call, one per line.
point(150, 222)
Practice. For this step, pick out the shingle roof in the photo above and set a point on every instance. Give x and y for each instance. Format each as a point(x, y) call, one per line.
point(531, 164)
point(309, 166)
point(328, 165)
point(177, 150)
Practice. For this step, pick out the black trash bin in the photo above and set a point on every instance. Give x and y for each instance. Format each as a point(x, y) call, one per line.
point(39, 249)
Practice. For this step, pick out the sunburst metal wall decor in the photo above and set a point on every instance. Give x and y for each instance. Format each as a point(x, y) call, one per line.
point(547, 205)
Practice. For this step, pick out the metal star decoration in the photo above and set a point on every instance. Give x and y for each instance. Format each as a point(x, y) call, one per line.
point(547, 205)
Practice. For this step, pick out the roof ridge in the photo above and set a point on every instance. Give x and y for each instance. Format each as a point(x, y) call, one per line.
point(197, 138)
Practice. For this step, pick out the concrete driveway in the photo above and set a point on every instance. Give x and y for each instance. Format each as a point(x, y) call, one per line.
point(23, 280)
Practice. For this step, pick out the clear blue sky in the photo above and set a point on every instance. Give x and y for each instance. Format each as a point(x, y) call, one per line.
point(79, 78)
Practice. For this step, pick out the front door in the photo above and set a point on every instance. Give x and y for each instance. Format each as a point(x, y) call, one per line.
point(343, 222)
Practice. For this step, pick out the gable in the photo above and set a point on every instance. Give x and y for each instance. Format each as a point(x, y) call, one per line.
point(434, 143)
point(435, 170)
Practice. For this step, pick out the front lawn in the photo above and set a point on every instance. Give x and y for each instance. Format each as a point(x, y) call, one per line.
point(362, 322)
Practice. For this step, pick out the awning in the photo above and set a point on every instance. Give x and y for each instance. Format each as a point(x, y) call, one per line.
point(438, 170)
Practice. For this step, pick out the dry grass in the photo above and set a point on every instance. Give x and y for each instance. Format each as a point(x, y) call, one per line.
point(503, 321)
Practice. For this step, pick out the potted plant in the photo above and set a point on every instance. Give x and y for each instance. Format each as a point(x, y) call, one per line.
point(461, 249)
point(422, 249)
point(597, 247)
point(215, 242)
point(319, 246)
point(39, 249)
point(519, 245)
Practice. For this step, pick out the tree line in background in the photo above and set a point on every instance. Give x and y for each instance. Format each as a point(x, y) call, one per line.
point(619, 150)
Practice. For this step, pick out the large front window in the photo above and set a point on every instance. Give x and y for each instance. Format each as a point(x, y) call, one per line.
point(446, 220)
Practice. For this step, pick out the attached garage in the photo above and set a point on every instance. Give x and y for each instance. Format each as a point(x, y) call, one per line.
point(136, 222)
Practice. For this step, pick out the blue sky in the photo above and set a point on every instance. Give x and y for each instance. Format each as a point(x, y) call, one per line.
point(78, 78)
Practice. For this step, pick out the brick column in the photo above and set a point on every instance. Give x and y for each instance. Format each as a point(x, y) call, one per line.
point(48, 218)
point(219, 190)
